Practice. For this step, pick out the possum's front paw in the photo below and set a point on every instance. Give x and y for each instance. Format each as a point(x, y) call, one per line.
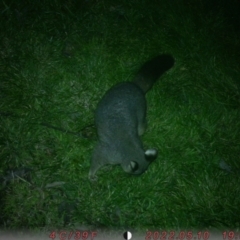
point(92, 178)
point(92, 173)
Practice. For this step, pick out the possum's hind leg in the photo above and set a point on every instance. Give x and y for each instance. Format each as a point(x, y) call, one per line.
point(141, 118)
point(142, 126)
point(98, 160)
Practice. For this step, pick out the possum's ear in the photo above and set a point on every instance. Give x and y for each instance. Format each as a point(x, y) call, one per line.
point(134, 166)
point(151, 154)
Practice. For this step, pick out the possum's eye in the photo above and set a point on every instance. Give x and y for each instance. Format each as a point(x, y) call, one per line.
point(134, 166)
point(151, 154)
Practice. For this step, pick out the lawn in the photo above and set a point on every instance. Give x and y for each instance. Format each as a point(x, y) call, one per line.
point(58, 58)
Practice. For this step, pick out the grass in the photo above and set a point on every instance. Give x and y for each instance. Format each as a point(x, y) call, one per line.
point(57, 60)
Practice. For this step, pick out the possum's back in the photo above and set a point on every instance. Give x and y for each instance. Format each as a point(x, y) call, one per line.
point(120, 109)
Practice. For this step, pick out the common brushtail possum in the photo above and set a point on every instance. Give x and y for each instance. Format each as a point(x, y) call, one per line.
point(120, 120)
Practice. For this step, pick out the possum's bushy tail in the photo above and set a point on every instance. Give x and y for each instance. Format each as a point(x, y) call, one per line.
point(152, 70)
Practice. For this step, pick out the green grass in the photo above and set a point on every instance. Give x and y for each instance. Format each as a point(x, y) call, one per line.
point(57, 60)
